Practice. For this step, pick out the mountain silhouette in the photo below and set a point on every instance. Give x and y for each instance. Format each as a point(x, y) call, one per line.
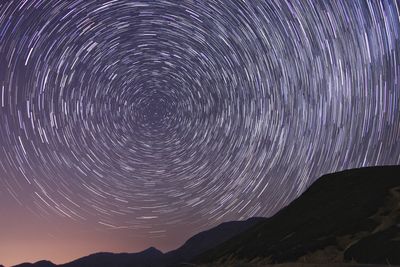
point(208, 239)
point(352, 215)
point(37, 264)
point(148, 257)
point(348, 216)
point(152, 257)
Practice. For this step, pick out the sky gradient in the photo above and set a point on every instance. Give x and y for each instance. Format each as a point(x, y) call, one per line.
point(129, 124)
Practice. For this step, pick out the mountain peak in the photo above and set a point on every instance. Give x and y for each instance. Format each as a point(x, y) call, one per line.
point(152, 250)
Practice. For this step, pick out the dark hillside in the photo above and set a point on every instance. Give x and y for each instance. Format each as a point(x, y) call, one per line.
point(352, 214)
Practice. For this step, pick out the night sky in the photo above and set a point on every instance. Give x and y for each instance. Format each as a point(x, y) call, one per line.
point(128, 124)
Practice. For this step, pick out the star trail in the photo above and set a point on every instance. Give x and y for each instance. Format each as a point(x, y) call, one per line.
point(155, 118)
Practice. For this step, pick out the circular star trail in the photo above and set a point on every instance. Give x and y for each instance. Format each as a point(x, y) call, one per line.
point(145, 115)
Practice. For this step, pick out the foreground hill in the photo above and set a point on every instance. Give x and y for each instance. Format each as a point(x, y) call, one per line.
point(352, 215)
point(208, 239)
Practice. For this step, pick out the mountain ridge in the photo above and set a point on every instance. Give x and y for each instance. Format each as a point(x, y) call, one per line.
point(154, 257)
point(337, 218)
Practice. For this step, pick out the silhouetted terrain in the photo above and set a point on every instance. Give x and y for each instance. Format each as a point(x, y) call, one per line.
point(37, 264)
point(344, 216)
point(148, 257)
point(152, 257)
point(208, 239)
point(349, 216)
